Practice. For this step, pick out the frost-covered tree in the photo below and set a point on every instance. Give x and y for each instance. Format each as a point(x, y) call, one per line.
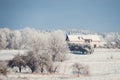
point(32, 61)
point(15, 40)
point(28, 37)
point(112, 39)
point(117, 40)
point(4, 37)
point(17, 61)
point(38, 62)
point(34, 39)
point(57, 45)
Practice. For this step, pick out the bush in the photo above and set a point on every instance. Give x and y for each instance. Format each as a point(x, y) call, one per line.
point(54, 67)
point(80, 69)
point(84, 48)
point(17, 61)
point(32, 61)
point(37, 62)
point(3, 68)
point(41, 63)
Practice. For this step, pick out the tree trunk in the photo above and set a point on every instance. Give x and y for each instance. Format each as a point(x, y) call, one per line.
point(33, 69)
point(78, 73)
point(20, 69)
point(42, 70)
point(53, 57)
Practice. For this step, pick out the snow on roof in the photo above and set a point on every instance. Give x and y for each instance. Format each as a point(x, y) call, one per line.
point(82, 37)
point(75, 38)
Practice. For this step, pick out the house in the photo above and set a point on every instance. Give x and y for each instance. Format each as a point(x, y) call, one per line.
point(93, 40)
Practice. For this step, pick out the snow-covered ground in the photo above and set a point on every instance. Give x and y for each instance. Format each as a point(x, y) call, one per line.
point(9, 54)
point(104, 64)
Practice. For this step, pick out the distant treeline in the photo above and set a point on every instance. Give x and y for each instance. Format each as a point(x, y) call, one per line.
point(28, 37)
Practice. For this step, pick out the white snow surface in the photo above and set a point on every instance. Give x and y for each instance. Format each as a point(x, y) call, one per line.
point(9, 54)
point(104, 64)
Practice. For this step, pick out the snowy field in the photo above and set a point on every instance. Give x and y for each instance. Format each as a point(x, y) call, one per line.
point(104, 64)
point(9, 54)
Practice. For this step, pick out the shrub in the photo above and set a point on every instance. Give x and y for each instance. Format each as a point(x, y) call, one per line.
point(17, 61)
point(38, 62)
point(32, 61)
point(3, 68)
point(80, 69)
point(84, 48)
point(53, 68)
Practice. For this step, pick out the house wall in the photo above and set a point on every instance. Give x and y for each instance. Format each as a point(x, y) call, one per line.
point(97, 43)
point(84, 39)
point(76, 42)
point(93, 43)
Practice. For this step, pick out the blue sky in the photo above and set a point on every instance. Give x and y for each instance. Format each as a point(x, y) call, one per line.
point(95, 15)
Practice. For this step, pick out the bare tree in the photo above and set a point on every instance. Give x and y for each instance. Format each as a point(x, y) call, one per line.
point(53, 68)
point(80, 69)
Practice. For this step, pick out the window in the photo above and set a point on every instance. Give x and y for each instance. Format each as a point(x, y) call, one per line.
point(87, 40)
point(79, 38)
